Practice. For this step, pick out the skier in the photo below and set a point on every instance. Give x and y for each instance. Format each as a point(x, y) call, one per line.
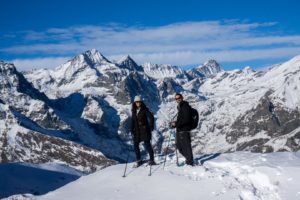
point(142, 124)
point(183, 126)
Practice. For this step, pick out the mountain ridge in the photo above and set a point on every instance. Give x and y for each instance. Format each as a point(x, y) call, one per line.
point(90, 104)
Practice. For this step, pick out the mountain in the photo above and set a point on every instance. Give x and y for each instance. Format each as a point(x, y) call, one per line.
point(208, 69)
point(34, 131)
point(128, 63)
point(162, 71)
point(239, 109)
point(257, 111)
point(87, 102)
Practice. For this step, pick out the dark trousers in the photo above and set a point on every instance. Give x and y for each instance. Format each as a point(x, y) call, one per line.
point(183, 144)
point(148, 147)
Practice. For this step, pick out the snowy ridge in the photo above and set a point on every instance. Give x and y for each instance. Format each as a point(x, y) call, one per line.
point(88, 100)
point(207, 69)
point(34, 130)
point(228, 176)
point(230, 103)
point(79, 115)
point(19, 144)
point(162, 71)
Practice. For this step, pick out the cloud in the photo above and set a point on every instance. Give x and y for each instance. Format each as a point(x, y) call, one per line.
point(198, 57)
point(179, 43)
point(36, 63)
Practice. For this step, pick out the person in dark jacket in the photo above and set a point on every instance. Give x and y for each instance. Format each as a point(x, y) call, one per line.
point(142, 124)
point(183, 127)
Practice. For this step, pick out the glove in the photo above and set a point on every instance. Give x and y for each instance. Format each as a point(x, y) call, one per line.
point(172, 124)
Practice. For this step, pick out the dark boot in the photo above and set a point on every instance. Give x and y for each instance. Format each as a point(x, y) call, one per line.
point(191, 163)
point(151, 162)
point(138, 163)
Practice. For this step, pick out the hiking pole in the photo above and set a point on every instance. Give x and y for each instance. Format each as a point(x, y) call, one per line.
point(150, 170)
point(124, 175)
point(174, 134)
point(126, 165)
point(167, 149)
point(150, 165)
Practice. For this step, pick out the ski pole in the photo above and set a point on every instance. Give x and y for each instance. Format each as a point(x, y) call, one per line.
point(124, 175)
point(150, 171)
point(167, 149)
point(174, 134)
point(126, 165)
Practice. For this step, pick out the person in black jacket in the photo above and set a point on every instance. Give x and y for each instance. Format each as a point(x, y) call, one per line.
point(183, 127)
point(142, 124)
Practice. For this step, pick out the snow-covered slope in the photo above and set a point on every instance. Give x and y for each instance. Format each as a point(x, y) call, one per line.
point(20, 144)
point(227, 176)
point(24, 178)
point(88, 99)
point(32, 129)
point(84, 106)
point(239, 109)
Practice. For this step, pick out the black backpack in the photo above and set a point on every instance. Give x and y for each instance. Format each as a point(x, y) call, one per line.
point(195, 118)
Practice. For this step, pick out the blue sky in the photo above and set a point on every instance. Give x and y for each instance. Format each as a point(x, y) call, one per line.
point(43, 33)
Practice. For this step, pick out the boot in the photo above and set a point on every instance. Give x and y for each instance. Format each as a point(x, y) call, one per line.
point(138, 163)
point(152, 162)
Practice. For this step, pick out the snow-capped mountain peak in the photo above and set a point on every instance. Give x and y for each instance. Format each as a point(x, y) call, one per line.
point(86, 67)
point(125, 59)
point(7, 68)
point(89, 58)
point(162, 71)
point(248, 70)
point(128, 63)
point(95, 57)
point(209, 68)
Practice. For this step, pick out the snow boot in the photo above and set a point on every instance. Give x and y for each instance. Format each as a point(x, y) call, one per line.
point(138, 164)
point(151, 162)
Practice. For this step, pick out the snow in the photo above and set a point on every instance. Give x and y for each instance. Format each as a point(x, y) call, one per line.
point(23, 178)
point(221, 98)
point(161, 71)
point(92, 112)
point(240, 175)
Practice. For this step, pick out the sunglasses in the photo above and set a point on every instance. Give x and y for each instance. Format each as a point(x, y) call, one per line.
point(177, 98)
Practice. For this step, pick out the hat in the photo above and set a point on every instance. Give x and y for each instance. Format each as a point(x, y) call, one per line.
point(137, 98)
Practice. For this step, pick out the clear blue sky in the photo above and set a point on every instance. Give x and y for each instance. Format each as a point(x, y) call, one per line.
point(45, 33)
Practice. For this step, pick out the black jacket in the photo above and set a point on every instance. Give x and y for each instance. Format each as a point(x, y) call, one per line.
point(141, 125)
point(184, 120)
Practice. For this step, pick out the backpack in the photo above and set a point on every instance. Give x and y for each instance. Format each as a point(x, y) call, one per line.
point(195, 118)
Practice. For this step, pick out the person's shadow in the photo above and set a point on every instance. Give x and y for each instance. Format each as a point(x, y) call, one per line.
point(202, 159)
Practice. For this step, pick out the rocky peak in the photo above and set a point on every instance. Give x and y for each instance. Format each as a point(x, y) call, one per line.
point(248, 70)
point(13, 80)
point(94, 57)
point(7, 68)
point(9, 76)
point(209, 68)
point(128, 63)
point(162, 71)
